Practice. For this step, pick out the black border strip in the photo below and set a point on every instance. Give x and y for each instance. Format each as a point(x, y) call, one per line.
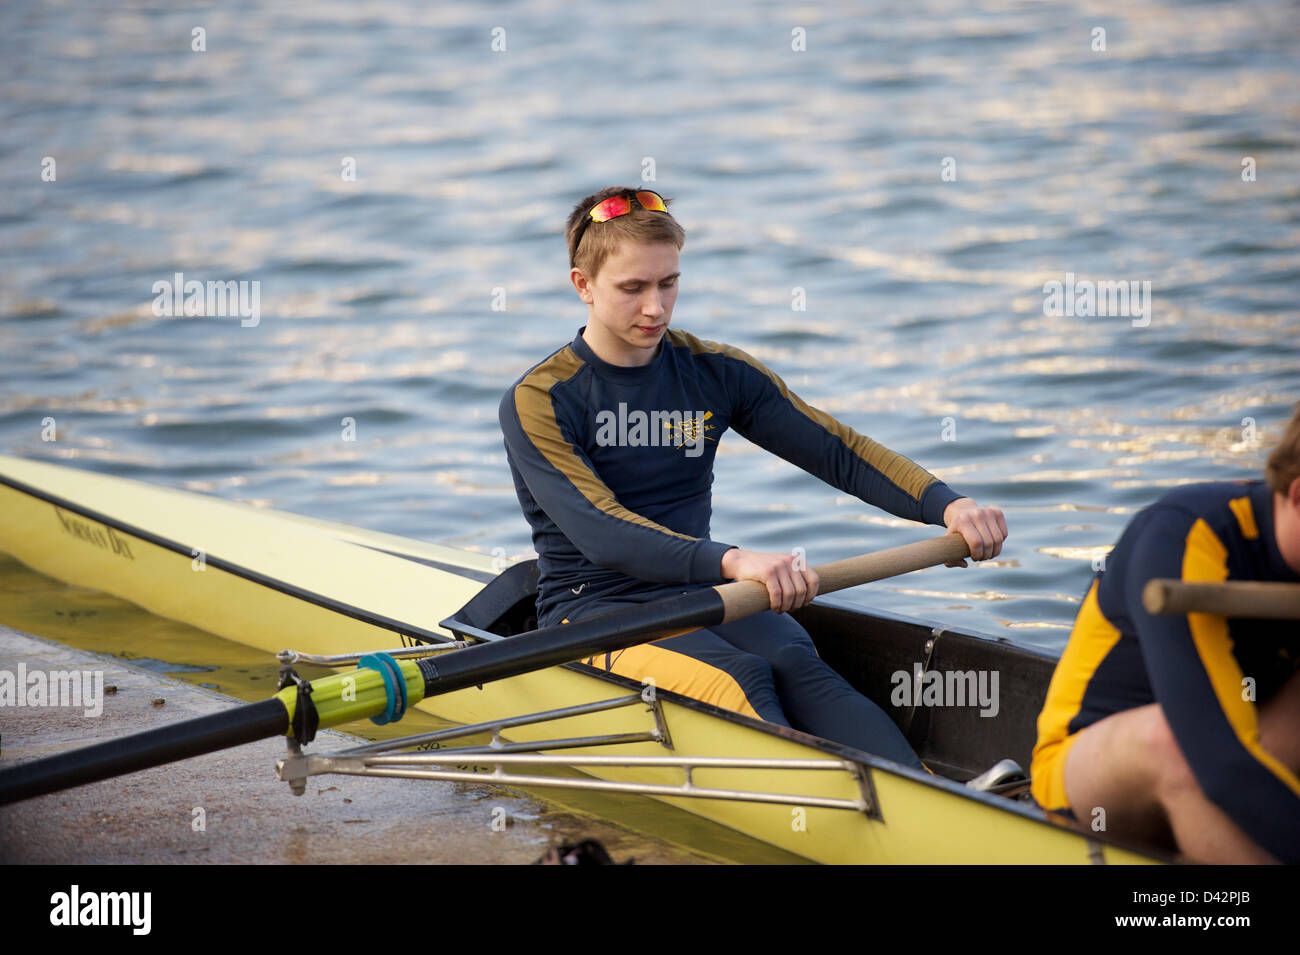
point(482, 576)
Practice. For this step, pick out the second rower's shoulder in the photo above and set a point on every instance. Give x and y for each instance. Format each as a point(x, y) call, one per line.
point(1224, 507)
point(1215, 501)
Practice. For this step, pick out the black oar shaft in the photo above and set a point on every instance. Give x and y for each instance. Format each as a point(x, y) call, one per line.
point(482, 663)
point(564, 643)
point(205, 734)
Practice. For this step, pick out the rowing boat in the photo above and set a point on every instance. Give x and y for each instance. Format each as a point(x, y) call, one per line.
point(274, 580)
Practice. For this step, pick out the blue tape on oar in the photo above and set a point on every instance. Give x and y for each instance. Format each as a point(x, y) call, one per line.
point(394, 685)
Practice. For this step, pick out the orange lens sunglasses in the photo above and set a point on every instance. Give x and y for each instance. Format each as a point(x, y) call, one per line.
point(616, 206)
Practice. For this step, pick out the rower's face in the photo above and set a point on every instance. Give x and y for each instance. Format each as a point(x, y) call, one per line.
point(634, 293)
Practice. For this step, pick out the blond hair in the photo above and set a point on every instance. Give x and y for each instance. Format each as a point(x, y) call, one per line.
point(592, 243)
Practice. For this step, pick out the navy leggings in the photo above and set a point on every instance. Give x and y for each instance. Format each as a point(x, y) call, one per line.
point(774, 661)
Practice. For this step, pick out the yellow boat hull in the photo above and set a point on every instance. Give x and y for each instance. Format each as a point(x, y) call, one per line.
point(274, 580)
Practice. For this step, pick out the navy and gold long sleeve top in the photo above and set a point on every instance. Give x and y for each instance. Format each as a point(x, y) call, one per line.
point(613, 465)
point(1208, 673)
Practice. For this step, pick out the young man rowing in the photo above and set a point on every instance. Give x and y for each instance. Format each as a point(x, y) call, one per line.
point(611, 441)
point(1184, 730)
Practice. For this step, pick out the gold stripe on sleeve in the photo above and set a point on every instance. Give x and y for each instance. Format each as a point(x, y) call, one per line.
point(1245, 515)
point(537, 417)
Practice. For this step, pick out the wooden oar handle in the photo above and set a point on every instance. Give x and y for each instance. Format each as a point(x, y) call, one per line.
point(1236, 598)
point(745, 597)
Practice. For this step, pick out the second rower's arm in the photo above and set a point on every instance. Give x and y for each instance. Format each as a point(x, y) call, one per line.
point(1200, 687)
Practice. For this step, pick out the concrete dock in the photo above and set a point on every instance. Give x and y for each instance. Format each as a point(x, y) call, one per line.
point(228, 807)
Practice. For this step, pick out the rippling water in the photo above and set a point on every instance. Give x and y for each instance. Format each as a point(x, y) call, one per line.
point(820, 169)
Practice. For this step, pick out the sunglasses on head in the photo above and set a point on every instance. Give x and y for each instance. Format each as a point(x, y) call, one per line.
point(616, 206)
point(620, 205)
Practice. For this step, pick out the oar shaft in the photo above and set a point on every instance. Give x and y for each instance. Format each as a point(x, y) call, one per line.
point(745, 597)
point(365, 692)
point(129, 754)
point(334, 700)
point(1236, 598)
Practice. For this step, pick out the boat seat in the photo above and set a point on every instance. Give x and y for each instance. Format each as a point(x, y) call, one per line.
point(505, 607)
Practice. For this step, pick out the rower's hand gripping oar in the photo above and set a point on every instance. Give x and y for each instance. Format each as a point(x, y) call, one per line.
point(383, 688)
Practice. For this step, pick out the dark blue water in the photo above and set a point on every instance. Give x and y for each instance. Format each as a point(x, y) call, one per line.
point(821, 168)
